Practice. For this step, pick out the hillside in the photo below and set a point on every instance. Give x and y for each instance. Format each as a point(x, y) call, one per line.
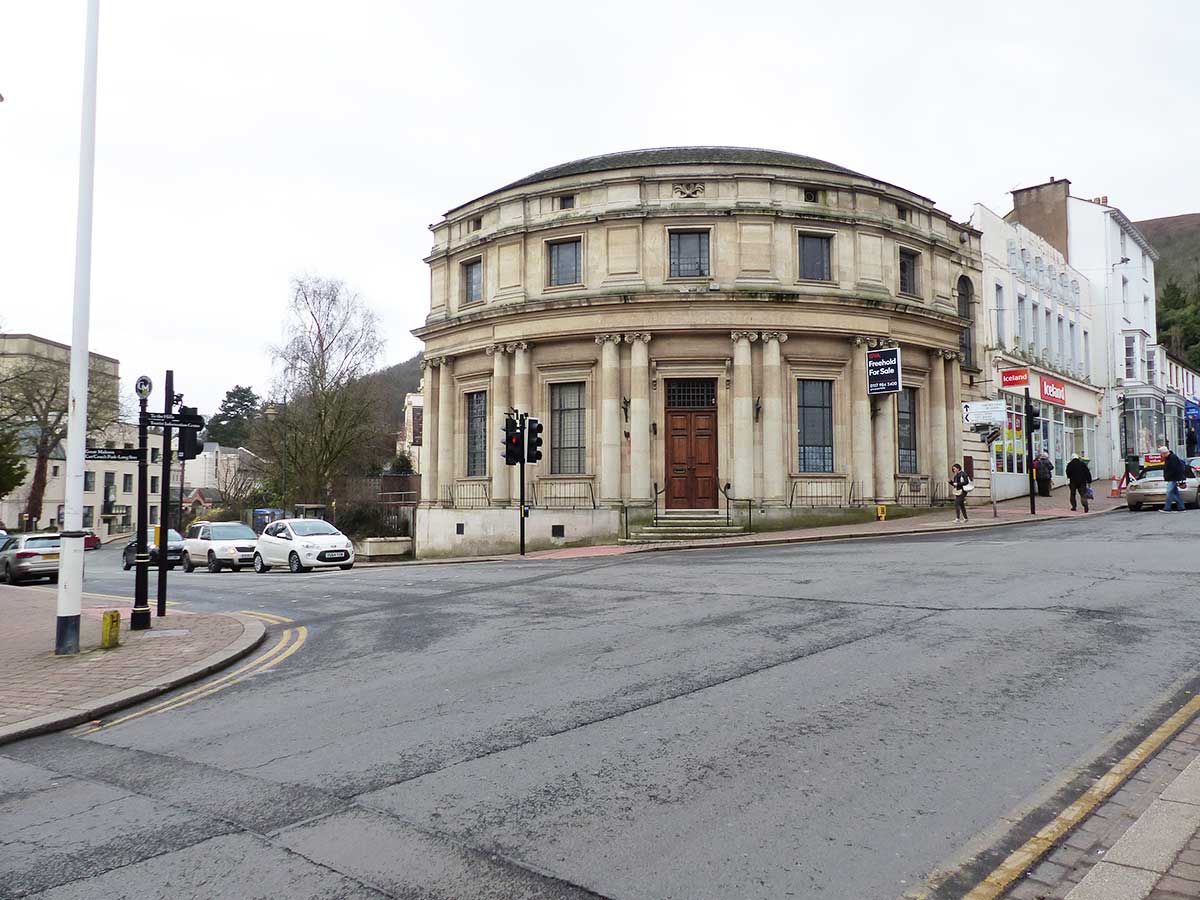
point(394, 382)
point(1177, 239)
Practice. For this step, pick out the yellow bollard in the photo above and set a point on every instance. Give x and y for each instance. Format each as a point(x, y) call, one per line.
point(110, 630)
point(881, 512)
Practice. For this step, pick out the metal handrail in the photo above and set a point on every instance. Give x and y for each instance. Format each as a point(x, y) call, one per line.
point(657, 491)
point(749, 508)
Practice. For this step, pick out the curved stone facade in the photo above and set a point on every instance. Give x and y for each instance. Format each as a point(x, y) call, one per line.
point(653, 281)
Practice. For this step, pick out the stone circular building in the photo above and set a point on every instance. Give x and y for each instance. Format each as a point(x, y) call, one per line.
point(682, 320)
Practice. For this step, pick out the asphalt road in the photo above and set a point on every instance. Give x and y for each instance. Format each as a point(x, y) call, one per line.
point(813, 721)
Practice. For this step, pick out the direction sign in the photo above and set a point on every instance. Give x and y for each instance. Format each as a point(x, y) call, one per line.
point(113, 454)
point(984, 412)
point(883, 371)
point(170, 420)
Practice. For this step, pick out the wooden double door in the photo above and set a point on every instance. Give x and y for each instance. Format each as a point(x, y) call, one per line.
point(691, 452)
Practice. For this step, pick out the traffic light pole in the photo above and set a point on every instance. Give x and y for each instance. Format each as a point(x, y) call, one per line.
point(1030, 462)
point(522, 501)
point(164, 507)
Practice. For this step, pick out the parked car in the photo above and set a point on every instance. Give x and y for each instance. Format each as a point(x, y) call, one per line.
point(26, 556)
point(91, 541)
point(302, 544)
point(217, 545)
point(1150, 488)
point(174, 550)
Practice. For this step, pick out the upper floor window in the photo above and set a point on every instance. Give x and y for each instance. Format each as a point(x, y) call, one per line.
point(127, 484)
point(89, 481)
point(1001, 321)
point(1124, 248)
point(566, 201)
point(472, 273)
point(811, 196)
point(1125, 296)
point(909, 262)
point(902, 213)
point(475, 224)
point(1131, 357)
point(476, 433)
point(689, 254)
point(154, 454)
point(567, 428)
point(1021, 320)
point(814, 258)
point(565, 262)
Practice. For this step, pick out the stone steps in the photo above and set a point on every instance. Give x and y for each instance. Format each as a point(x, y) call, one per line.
point(684, 525)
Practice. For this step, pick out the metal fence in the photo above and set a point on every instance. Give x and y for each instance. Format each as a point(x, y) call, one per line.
point(471, 495)
point(562, 494)
point(826, 493)
point(915, 490)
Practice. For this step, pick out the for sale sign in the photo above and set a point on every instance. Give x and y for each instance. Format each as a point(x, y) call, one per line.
point(1011, 378)
point(1054, 391)
point(883, 371)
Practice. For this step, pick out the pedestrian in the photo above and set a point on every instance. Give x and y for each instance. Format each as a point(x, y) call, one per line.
point(1079, 477)
point(961, 484)
point(1174, 471)
point(1044, 470)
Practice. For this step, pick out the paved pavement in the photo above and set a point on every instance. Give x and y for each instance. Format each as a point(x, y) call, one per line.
point(818, 721)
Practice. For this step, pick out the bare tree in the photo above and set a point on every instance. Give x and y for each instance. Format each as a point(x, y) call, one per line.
point(328, 414)
point(237, 480)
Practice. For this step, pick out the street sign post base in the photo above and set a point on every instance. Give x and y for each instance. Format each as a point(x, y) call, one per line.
point(139, 619)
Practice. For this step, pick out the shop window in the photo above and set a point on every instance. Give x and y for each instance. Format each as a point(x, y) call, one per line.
point(476, 433)
point(814, 424)
point(689, 254)
point(565, 262)
point(567, 425)
point(906, 431)
point(814, 258)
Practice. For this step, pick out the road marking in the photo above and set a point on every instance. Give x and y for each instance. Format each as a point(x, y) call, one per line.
point(1026, 856)
point(282, 649)
point(266, 617)
point(86, 594)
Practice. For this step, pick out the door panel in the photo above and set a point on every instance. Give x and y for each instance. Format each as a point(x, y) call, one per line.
point(679, 439)
point(691, 459)
point(704, 460)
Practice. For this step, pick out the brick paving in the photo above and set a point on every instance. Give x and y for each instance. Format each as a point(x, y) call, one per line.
point(36, 683)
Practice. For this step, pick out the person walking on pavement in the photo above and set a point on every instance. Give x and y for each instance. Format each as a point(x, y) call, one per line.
point(1079, 477)
point(961, 484)
point(1174, 471)
point(1044, 470)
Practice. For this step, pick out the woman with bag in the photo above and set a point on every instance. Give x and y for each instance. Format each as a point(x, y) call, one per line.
point(962, 486)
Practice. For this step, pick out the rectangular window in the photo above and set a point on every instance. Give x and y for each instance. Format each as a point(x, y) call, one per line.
point(1151, 365)
point(154, 454)
point(566, 201)
point(689, 254)
point(475, 224)
point(814, 258)
point(54, 471)
point(89, 481)
point(567, 428)
point(1021, 321)
point(1001, 322)
point(89, 516)
point(1035, 341)
point(126, 484)
point(1131, 360)
point(476, 433)
point(1125, 296)
point(1049, 335)
point(1087, 353)
point(906, 431)
point(1072, 348)
point(814, 424)
point(153, 516)
point(1062, 342)
point(154, 480)
point(908, 272)
point(902, 213)
point(472, 273)
point(1124, 251)
point(564, 262)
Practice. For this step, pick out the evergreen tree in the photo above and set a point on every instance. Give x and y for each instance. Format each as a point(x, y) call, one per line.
point(12, 462)
point(231, 425)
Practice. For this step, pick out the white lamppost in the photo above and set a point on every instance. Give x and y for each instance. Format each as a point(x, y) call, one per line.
point(70, 579)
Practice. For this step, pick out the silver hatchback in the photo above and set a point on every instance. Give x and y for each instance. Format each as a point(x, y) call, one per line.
point(26, 556)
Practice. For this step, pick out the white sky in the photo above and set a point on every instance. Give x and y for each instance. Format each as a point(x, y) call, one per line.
point(240, 143)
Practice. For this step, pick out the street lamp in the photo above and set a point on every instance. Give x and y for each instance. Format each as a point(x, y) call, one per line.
point(275, 411)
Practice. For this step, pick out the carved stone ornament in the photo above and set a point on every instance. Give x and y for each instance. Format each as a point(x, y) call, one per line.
point(493, 349)
point(516, 345)
point(780, 336)
point(605, 338)
point(634, 336)
point(688, 189)
point(432, 361)
point(743, 336)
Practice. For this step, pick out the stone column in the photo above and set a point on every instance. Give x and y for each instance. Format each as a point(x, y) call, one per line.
point(775, 466)
point(885, 445)
point(445, 430)
point(954, 437)
point(939, 415)
point(521, 384)
point(429, 443)
point(743, 415)
point(610, 417)
point(499, 401)
point(639, 416)
point(862, 441)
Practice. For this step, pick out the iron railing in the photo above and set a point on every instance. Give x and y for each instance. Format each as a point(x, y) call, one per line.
point(399, 511)
point(472, 494)
point(563, 494)
point(729, 501)
point(919, 490)
point(657, 492)
point(813, 492)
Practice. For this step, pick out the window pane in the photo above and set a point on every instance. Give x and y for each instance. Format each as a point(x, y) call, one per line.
point(473, 281)
point(564, 263)
point(566, 428)
point(477, 433)
point(814, 425)
point(689, 254)
point(906, 430)
point(814, 258)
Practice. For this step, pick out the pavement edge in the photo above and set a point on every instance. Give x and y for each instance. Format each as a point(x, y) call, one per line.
point(254, 632)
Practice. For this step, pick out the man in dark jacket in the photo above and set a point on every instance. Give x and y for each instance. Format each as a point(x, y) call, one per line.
point(1079, 476)
point(1174, 471)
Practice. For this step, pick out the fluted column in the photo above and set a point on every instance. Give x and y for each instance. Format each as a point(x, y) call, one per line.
point(499, 399)
point(429, 442)
point(445, 430)
point(743, 415)
point(521, 384)
point(954, 438)
point(862, 441)
point(885, 444)
point(639, 416)
point(774, 457)
point(939, 415)
point(610, 417)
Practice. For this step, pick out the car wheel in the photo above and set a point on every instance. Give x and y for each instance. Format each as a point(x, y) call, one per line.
point(188, 565)
point(213, 565)
point(54, 579)
point(294, 564)
point(259, 566)
point(345, 567)
point(8, 575)
point(1135, 507)
point(126, 562)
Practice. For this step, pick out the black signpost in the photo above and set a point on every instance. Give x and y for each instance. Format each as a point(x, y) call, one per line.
point(139, 618)
point(883, 371)
point(164, 503)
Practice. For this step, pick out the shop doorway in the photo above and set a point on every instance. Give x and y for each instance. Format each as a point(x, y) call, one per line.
point(691, 444)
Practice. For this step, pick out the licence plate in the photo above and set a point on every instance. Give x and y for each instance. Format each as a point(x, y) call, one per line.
point(50, 557)
point(336, 554)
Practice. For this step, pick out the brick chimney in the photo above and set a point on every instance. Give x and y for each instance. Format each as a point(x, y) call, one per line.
point(1043, 210)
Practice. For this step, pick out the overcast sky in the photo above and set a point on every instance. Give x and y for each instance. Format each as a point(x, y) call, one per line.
point(242, 143)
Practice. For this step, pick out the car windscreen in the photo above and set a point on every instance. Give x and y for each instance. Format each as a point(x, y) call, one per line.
point(173, 536)
point(309, 527)
point(233, 532)
point(50, 540)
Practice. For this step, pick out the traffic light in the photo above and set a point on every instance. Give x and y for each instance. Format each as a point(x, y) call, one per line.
point(533, 440)
point(190, 444)
point(512, 442)
point(1032, 420)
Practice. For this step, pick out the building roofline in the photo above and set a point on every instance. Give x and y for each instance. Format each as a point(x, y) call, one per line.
point(61, 346)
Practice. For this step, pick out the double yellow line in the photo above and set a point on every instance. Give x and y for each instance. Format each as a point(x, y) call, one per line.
point(291, 640)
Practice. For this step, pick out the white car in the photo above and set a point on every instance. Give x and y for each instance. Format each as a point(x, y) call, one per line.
point(302, 544)
point(217, 545)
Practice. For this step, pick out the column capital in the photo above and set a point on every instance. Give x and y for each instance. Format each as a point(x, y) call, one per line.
point(951, 355)
point(516, 346)
point(634, 336)
point(780, 336)
point(736, 336)
point(607, 338)
point(434, 361)
point(493, 349)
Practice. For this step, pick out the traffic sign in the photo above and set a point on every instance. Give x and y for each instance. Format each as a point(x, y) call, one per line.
point(883, 371)
point(170, 420)
point(113, 454)
point(984, 412)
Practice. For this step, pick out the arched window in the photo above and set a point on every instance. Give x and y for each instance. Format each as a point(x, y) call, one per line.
point(966, 310)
